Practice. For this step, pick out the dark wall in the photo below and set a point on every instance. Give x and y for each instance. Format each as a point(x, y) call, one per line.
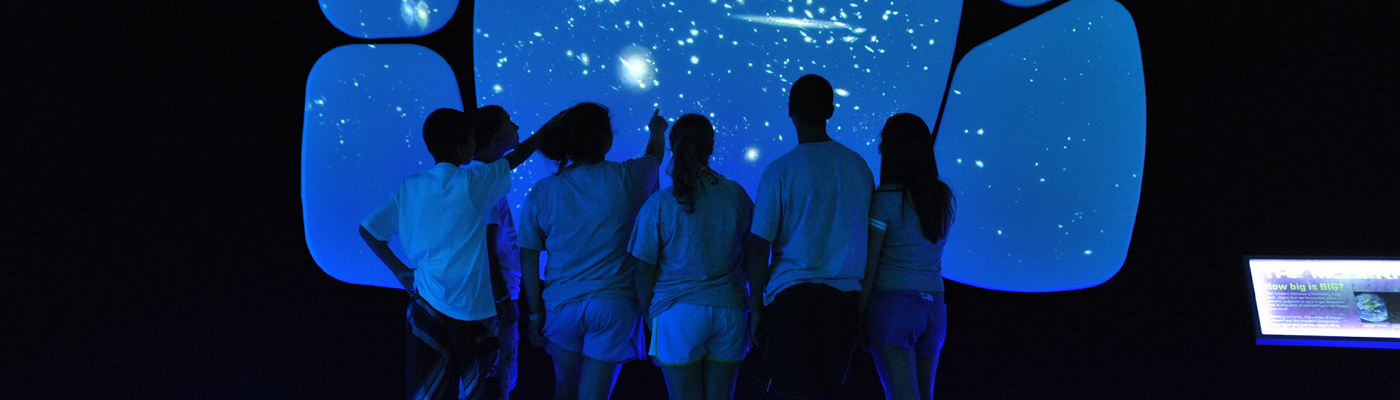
point(151, 165)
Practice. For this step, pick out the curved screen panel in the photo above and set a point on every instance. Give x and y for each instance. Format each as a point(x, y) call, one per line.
point(362, 133)
point(382, 19)
point(1042, 142)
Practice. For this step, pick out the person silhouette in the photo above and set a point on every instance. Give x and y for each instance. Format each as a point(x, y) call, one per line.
point(438, 215)
point(587, 317)
point(905, 318)
point(689, 238)
point(811, 207)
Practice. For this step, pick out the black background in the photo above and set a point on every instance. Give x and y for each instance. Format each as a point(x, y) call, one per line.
point(154, 244)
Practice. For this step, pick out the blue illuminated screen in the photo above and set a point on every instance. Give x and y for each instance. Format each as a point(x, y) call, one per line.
point(1042, 139)
point(1326, 302)
point(362, 133)
point(379, 19)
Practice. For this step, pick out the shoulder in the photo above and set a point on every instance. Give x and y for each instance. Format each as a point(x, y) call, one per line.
point(645, 161)
point(851, 156)
point(543, 187)
point(492, 168)
point(662, 194)
point(658, 201)
point(783, 165)
point(887, 194)
point(727, 185)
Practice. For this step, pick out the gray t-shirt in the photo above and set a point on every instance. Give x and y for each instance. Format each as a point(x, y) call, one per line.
point(700, 255)
point(908, 260)
point(812, 204)
point(583, 217)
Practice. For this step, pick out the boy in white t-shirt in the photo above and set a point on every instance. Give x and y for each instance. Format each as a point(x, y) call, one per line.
point(496, 134)
point(812, 207)
point(440, 216)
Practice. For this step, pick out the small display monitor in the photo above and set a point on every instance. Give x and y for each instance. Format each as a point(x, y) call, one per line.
point(1319, 301)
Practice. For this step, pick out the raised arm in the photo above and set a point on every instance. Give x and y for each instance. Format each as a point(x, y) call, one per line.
point(656, 145)
point(381, 249)
point(529, 145)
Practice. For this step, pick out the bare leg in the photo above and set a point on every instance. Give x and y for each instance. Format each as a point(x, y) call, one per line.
point(685, 382)
point(928, 365)
point(897, 371)
point(597, 379)
point(928, 369)
point(719, 380)
point(566, 373)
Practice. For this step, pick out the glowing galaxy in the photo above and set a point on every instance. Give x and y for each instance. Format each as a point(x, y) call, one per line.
point(802, 23)
point(415, 13)
point(637, 70)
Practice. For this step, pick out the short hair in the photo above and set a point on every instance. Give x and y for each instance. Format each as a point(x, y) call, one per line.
point(486, 121)
point(444, 130)
point(811, 99)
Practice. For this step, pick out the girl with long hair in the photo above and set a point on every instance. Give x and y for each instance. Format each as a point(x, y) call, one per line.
point(587, 316)
point(905, 318)
point(689, 238)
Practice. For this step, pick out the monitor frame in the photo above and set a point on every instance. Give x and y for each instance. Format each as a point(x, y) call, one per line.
point(1313, 341)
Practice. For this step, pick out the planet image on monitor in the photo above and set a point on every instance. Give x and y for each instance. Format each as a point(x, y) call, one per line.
point(1371, 307)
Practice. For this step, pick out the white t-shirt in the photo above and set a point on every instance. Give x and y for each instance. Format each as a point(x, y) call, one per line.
point(813, 204)
point(440, 217)
point(507, 253)
point(583, 217)
point(908, 260)
point(700, 255)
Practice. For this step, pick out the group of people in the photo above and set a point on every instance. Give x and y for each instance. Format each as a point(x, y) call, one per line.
point(818, 263)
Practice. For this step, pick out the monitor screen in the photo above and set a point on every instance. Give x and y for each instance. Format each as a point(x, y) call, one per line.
point(1326, 302)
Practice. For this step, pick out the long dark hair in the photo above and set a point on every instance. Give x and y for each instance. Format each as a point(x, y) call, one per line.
point(906, 145)
point(692, 142)
point(584, 133)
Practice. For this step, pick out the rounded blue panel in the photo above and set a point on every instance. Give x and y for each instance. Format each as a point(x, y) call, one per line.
point(362, 133)
point(1025, 3)
point(380, 19)
point(1042, 141)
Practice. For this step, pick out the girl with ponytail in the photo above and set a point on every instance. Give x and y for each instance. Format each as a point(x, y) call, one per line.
point(587, 315)
point(690, 240)
point(905, 318)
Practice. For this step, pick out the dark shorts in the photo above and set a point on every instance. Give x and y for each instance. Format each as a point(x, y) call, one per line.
point(908, 319)
point(808, 335)
point(444, 355)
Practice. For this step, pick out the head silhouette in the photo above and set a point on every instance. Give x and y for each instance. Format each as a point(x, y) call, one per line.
point(494, 132)
point(810, 100)
point(906, 157)
point(448, 136)
point(583, 135)
point(692, 142)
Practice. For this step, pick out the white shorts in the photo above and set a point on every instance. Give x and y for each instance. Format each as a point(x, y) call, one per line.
point(603, 329)
point(686, 334)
